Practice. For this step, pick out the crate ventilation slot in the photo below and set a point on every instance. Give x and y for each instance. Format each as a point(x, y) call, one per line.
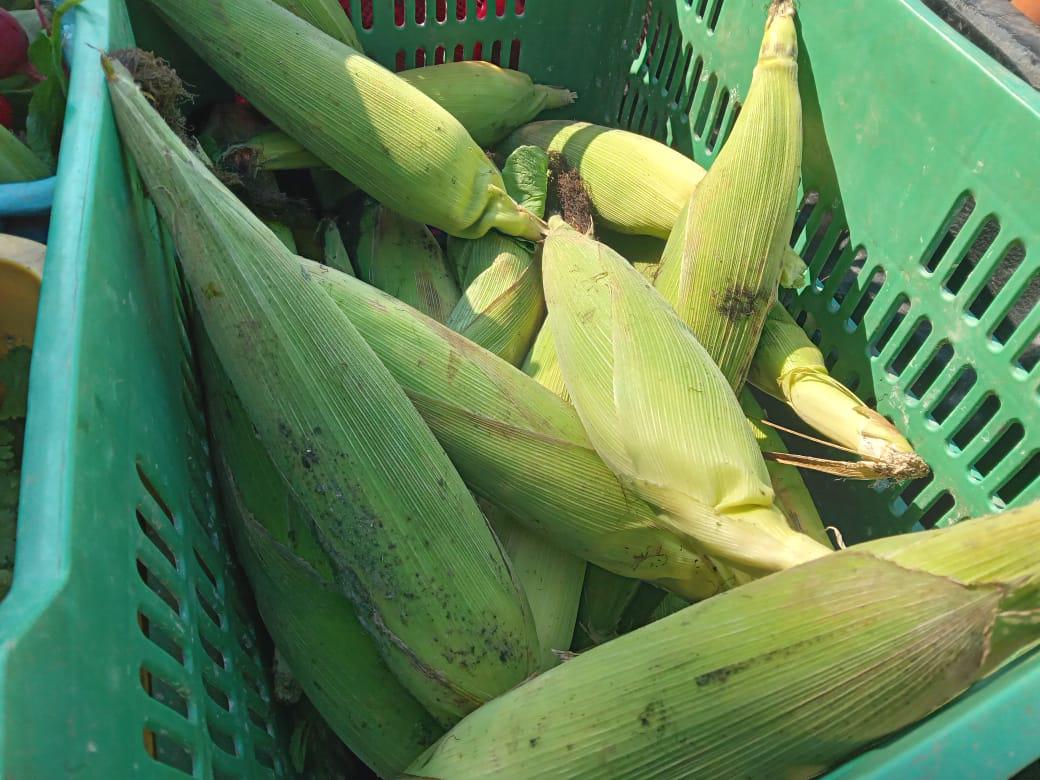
point(438, 55)
point(669, 95)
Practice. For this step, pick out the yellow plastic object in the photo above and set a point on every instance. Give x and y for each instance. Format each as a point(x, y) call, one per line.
point(21, 269)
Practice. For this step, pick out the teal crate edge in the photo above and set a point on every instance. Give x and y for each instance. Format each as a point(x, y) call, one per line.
point(42, 495)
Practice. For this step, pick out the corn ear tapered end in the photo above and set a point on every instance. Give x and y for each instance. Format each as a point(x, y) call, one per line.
point(781, 39)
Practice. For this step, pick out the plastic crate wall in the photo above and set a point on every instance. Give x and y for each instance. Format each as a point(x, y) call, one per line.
point(127, 644)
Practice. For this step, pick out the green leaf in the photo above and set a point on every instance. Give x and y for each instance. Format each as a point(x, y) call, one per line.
point(44, 120)
point(46, 112)
point(526, 176)
point(40, 55)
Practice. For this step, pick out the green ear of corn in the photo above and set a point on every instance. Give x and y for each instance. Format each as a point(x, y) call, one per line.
point(17, 162)
point(312, 623)
point(489, 101)
point(402, 258)
point(783, 677)
point(543, 363)
point(407, 542)
point(501, 309)
point(551, 578)
point(637, 185)
point(638, 250)
point(604, 599)
point(366, 123)
point(516, 443)
point(282, 233)
point(789, 491)
point(502, 305)
point(335, 253)
point(791, 496)
point(723, 260)
point(327, 16)
point(658, 410)
point(788, 366)
point(793, 270)
point(273, 150)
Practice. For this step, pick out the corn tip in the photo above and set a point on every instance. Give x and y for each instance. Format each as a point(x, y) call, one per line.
point(107, 66)
point(781, 38)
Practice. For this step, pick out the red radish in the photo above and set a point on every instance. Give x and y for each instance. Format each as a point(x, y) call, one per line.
point(14, 45)
point(6, 114)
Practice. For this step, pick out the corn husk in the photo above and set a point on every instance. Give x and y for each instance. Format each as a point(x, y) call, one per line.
point(788, 366)
point(283, 233)
point(273, 150)
point(604, 598)
point(792, 274)
point(363, 121)
point(789, 491)
point(407, 542)
point(502, 306)
point(327, 16)
point(313, 624)
point(669, 605)
point(331, 189)
point(645, 253)
point(488, 100)
point(517, 444)
point(543, 364)
point(335, 253)
point(638, 250)
point(723, 260)
point(17, 162)
point(401, 257)
point(658, 411)
point(793, 270)
point(783, 677)
point(551, 578)
point(501, 309)
point(637, 185)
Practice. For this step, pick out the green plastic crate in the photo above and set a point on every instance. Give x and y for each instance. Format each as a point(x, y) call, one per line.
point(919, 224)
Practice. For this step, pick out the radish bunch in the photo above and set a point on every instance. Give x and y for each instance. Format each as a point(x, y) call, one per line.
point(14, 45)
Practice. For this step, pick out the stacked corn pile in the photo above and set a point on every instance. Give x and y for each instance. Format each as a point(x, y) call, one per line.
point(489, 415)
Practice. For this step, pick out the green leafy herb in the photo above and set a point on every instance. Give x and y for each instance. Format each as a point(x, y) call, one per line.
point(46, 112)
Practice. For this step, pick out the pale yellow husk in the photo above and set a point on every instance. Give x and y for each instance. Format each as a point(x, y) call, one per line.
point(368, 124)
point(637, 185)
point(724, 257)
point(658, 410)
point(784, 677)
point(788, 366)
